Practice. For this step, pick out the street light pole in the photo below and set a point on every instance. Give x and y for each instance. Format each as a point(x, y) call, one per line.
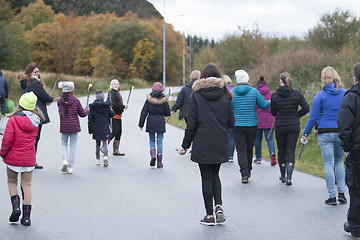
point(189, 35)
point(164, 69)
point(183, 48)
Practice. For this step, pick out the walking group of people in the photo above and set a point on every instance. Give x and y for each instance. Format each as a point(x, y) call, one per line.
point(218, 117)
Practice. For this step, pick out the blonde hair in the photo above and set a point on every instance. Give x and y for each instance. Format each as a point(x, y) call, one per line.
point(195, 75)
point(285, 78)
point(329, 75)
point(36, 111)
point(226, 79)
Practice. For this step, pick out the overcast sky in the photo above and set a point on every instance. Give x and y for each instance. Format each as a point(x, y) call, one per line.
point(215, 18)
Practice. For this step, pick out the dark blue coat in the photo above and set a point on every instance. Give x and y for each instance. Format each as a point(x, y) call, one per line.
point(4, 88)
point(42, 95)
point(99, 120)
point(154, 110)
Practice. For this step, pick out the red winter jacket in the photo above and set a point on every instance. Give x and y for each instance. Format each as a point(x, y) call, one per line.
point(18, 144)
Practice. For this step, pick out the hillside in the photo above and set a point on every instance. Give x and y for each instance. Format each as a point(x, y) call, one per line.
point(142, 8)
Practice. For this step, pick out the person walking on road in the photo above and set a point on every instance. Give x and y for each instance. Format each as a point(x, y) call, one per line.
point(4, 93)
point(69, 110)
point(155, 108)
point(284, 107)
point(210, 117)
point(246, 98)
point(349, 127)
point(183, 98)
point(324, 111)
point(18, 153)
point(230, 87)
point(32, 82)
point(98, 125)
point(118, 107)
point(265, 122)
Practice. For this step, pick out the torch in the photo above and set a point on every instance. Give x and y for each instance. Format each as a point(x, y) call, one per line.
point(131, 89)
point(53, 91)
point(302, 146)
point(88, 95)
point(271, 129)
point(168, 99)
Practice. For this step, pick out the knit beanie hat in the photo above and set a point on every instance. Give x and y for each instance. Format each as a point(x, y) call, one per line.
point(241, 76)
point(157, 87)
point(99, 95)
point(66, 86)
point(261, 81)
point(28, 101)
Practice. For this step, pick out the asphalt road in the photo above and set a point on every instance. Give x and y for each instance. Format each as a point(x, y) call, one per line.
point(130, 200)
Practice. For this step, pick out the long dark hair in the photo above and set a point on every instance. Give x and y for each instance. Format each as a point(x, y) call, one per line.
point(210, 70)
point(28, 70)
point(66, 98)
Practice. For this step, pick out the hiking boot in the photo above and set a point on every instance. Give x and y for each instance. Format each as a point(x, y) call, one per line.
point(331, 201)
point(65, 166)
point(208, 220)
point(245, 179)
point(257, 161)
point(273, 160)
point(341, 198)
point(106, 162)
point(219, 213)
point(15, 202)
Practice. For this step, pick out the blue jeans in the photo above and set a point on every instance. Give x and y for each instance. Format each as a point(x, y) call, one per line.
point(159, 141)
point(333, 156)
point(64, 146)
point(269, 141)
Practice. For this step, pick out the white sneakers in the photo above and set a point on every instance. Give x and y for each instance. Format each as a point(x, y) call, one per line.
point(65, 166)
point(69, 170)
point(97, 162)
point(106, 162)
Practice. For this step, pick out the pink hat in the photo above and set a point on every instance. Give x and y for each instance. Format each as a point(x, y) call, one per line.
point(157, 87)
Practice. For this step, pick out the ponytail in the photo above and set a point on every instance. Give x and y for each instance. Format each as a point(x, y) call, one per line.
point(285, 78)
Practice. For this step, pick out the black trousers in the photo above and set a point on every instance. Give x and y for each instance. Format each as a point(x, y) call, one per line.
point(352, 178)
point(38, 137)
point(116, 128)
point(244, 138)
point(3, 104)
point(211, 185)
point(286, 138)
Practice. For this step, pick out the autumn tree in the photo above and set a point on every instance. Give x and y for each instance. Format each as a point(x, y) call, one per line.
point(6, 12)
point(144, 54)
point(205, 55)
point(101, 62)
point(335, 30)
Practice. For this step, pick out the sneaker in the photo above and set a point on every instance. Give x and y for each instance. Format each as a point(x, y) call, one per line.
point(331, 201)
point(347, 227)
point(341, 198)
point(245, 179)
point(257, 161)
point(273, 160)
point(37, 166)
point(69, 170)
point(106, 162)
point(219, 213)
point(65, 166)
point(209, 221)
point(231, 159)
point(97, 162)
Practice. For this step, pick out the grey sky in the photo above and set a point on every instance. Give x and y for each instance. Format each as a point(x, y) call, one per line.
point(214, 18)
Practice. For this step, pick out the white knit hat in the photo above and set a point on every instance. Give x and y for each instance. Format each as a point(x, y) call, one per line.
point(241, 76)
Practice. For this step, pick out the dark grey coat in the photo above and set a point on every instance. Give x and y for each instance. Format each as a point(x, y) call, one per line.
point(99, 120)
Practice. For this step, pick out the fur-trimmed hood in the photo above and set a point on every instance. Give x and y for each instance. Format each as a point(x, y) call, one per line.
point(212, 89)
point(156, 101)
point(208, 83)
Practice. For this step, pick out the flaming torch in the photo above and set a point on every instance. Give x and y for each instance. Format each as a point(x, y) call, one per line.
point(88, 95)
point(131, 89)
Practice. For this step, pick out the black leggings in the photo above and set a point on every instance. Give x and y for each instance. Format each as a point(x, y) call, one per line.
point(38, 137)
point(286, 138)
point(116, 128)
point(211, 185)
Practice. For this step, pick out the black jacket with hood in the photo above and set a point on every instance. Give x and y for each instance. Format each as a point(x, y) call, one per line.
point(349, 121)
point(210, 117)
point(285, 104)
point(183, 100)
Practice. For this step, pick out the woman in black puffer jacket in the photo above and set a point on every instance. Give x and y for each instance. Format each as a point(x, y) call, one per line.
point(209, 119)
point(284, 107)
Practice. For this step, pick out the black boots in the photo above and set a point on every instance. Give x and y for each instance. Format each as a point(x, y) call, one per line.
point(26, 215)
point(159, 161)
point(282, 167)
point(15, 201)
point(289, 169)
point(153, 157)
